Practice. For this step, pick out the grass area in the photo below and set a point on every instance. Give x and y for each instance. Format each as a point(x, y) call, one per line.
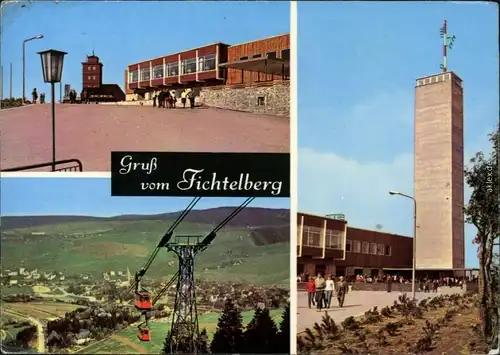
point(99, 246)
point(158, 332)
point(14, 290)
point(40, 310)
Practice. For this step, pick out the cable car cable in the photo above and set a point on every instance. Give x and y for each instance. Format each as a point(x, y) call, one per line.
point(211, 236)
point(166, 237)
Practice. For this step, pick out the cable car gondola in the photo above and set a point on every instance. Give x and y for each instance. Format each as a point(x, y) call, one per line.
point(143, 301)
point(144, 333)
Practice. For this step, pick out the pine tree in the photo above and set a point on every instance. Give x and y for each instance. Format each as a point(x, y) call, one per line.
point(261, 334)
point(228, 338)
point(283, 342)
point(203, 342)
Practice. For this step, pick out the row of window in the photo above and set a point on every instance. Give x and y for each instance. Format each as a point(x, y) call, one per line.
point(93, 77)
point(188, 66)
point(91, 67)
point(312, 238)
point(356, 246)
point(285, 54)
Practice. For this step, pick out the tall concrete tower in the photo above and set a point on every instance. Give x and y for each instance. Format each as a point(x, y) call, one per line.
point(438, 174)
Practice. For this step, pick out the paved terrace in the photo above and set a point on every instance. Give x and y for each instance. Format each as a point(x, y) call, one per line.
point(91, 132)
point(356, 304)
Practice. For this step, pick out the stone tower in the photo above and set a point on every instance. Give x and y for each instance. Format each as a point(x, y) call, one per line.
point(438, 174)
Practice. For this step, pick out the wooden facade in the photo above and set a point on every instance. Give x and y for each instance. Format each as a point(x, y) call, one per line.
point(91, 72)
point(277, 46)
point(360, 248)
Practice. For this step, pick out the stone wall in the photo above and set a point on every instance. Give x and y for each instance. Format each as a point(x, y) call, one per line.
point(269, 98)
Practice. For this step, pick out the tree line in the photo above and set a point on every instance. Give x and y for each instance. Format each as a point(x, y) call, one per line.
point(261, 336)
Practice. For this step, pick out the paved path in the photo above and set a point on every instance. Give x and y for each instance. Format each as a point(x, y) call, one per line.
point(91, 132)
point(356, 304)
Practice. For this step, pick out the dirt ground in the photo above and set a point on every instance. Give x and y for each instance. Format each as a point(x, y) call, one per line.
point(450, 327)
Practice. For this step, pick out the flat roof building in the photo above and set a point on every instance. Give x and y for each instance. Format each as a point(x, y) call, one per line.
point(262, 64)
point(328, 245)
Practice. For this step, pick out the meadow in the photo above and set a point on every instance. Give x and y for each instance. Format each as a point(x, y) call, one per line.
point(126, 341)
point(99, 246)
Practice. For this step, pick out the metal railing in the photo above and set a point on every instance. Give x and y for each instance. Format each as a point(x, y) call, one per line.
point(76, 166)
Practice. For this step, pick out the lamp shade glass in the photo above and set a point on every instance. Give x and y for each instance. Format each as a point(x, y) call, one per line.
point(52, 65)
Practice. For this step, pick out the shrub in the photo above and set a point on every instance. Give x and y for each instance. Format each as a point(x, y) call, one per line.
point(425, 342)
point(350, 324)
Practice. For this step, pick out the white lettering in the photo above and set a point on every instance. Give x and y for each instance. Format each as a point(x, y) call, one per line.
point(189, 178)
point(127, 165)
point(155, 186)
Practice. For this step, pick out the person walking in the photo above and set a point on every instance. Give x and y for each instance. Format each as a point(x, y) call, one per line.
point(34, 95)
point(320, 284)
point(192, 97)
point(311, 292)
point(342, 290)
point(329, 289)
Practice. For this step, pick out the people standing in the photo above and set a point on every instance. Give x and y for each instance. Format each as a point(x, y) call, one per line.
point(183, 98)
point(329, 289)
point(42, 98)
point(320, 291)
point(342, 290)
point(34, 95)
point(173, 98)
point(161, 99)
point(155, 96)
point(389, 284)
point(311, 292)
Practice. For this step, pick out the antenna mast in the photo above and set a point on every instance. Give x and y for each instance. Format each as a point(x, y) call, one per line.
point(447, 44)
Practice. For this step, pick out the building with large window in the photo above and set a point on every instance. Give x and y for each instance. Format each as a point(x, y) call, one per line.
point(252, 76)
point(328, 245)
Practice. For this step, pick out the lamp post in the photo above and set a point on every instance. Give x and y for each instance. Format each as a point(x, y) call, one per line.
point(24, 63)
point(52, 66)
point(414, 261)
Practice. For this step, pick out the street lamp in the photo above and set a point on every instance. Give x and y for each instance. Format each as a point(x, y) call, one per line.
point(414, 262)
point(24, 63)
point(52, 66)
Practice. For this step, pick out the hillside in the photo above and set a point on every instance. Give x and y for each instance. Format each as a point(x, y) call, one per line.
point(250, 216)
point(253, 253)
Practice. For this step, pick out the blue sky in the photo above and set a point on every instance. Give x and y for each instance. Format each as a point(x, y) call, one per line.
point(357, 68)
point(120, 33)
point(92, 197)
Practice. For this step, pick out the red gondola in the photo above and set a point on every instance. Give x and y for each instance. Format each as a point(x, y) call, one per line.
point(144, 333)
point(143, 301)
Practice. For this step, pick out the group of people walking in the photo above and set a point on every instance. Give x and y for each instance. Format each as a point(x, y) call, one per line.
point(168, 98)
point(34, 96)
point(320, 291)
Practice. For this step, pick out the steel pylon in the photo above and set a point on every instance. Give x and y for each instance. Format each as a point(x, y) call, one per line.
point(184, 331)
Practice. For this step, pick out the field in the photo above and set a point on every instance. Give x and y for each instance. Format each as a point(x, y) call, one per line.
point(38, 310)
point(9, 332)
point(100, 246)
point(126, 341)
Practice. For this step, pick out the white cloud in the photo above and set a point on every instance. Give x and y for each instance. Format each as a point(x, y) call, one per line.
point(329, 183)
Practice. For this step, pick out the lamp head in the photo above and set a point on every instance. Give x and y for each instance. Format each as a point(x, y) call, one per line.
point(393, 192)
